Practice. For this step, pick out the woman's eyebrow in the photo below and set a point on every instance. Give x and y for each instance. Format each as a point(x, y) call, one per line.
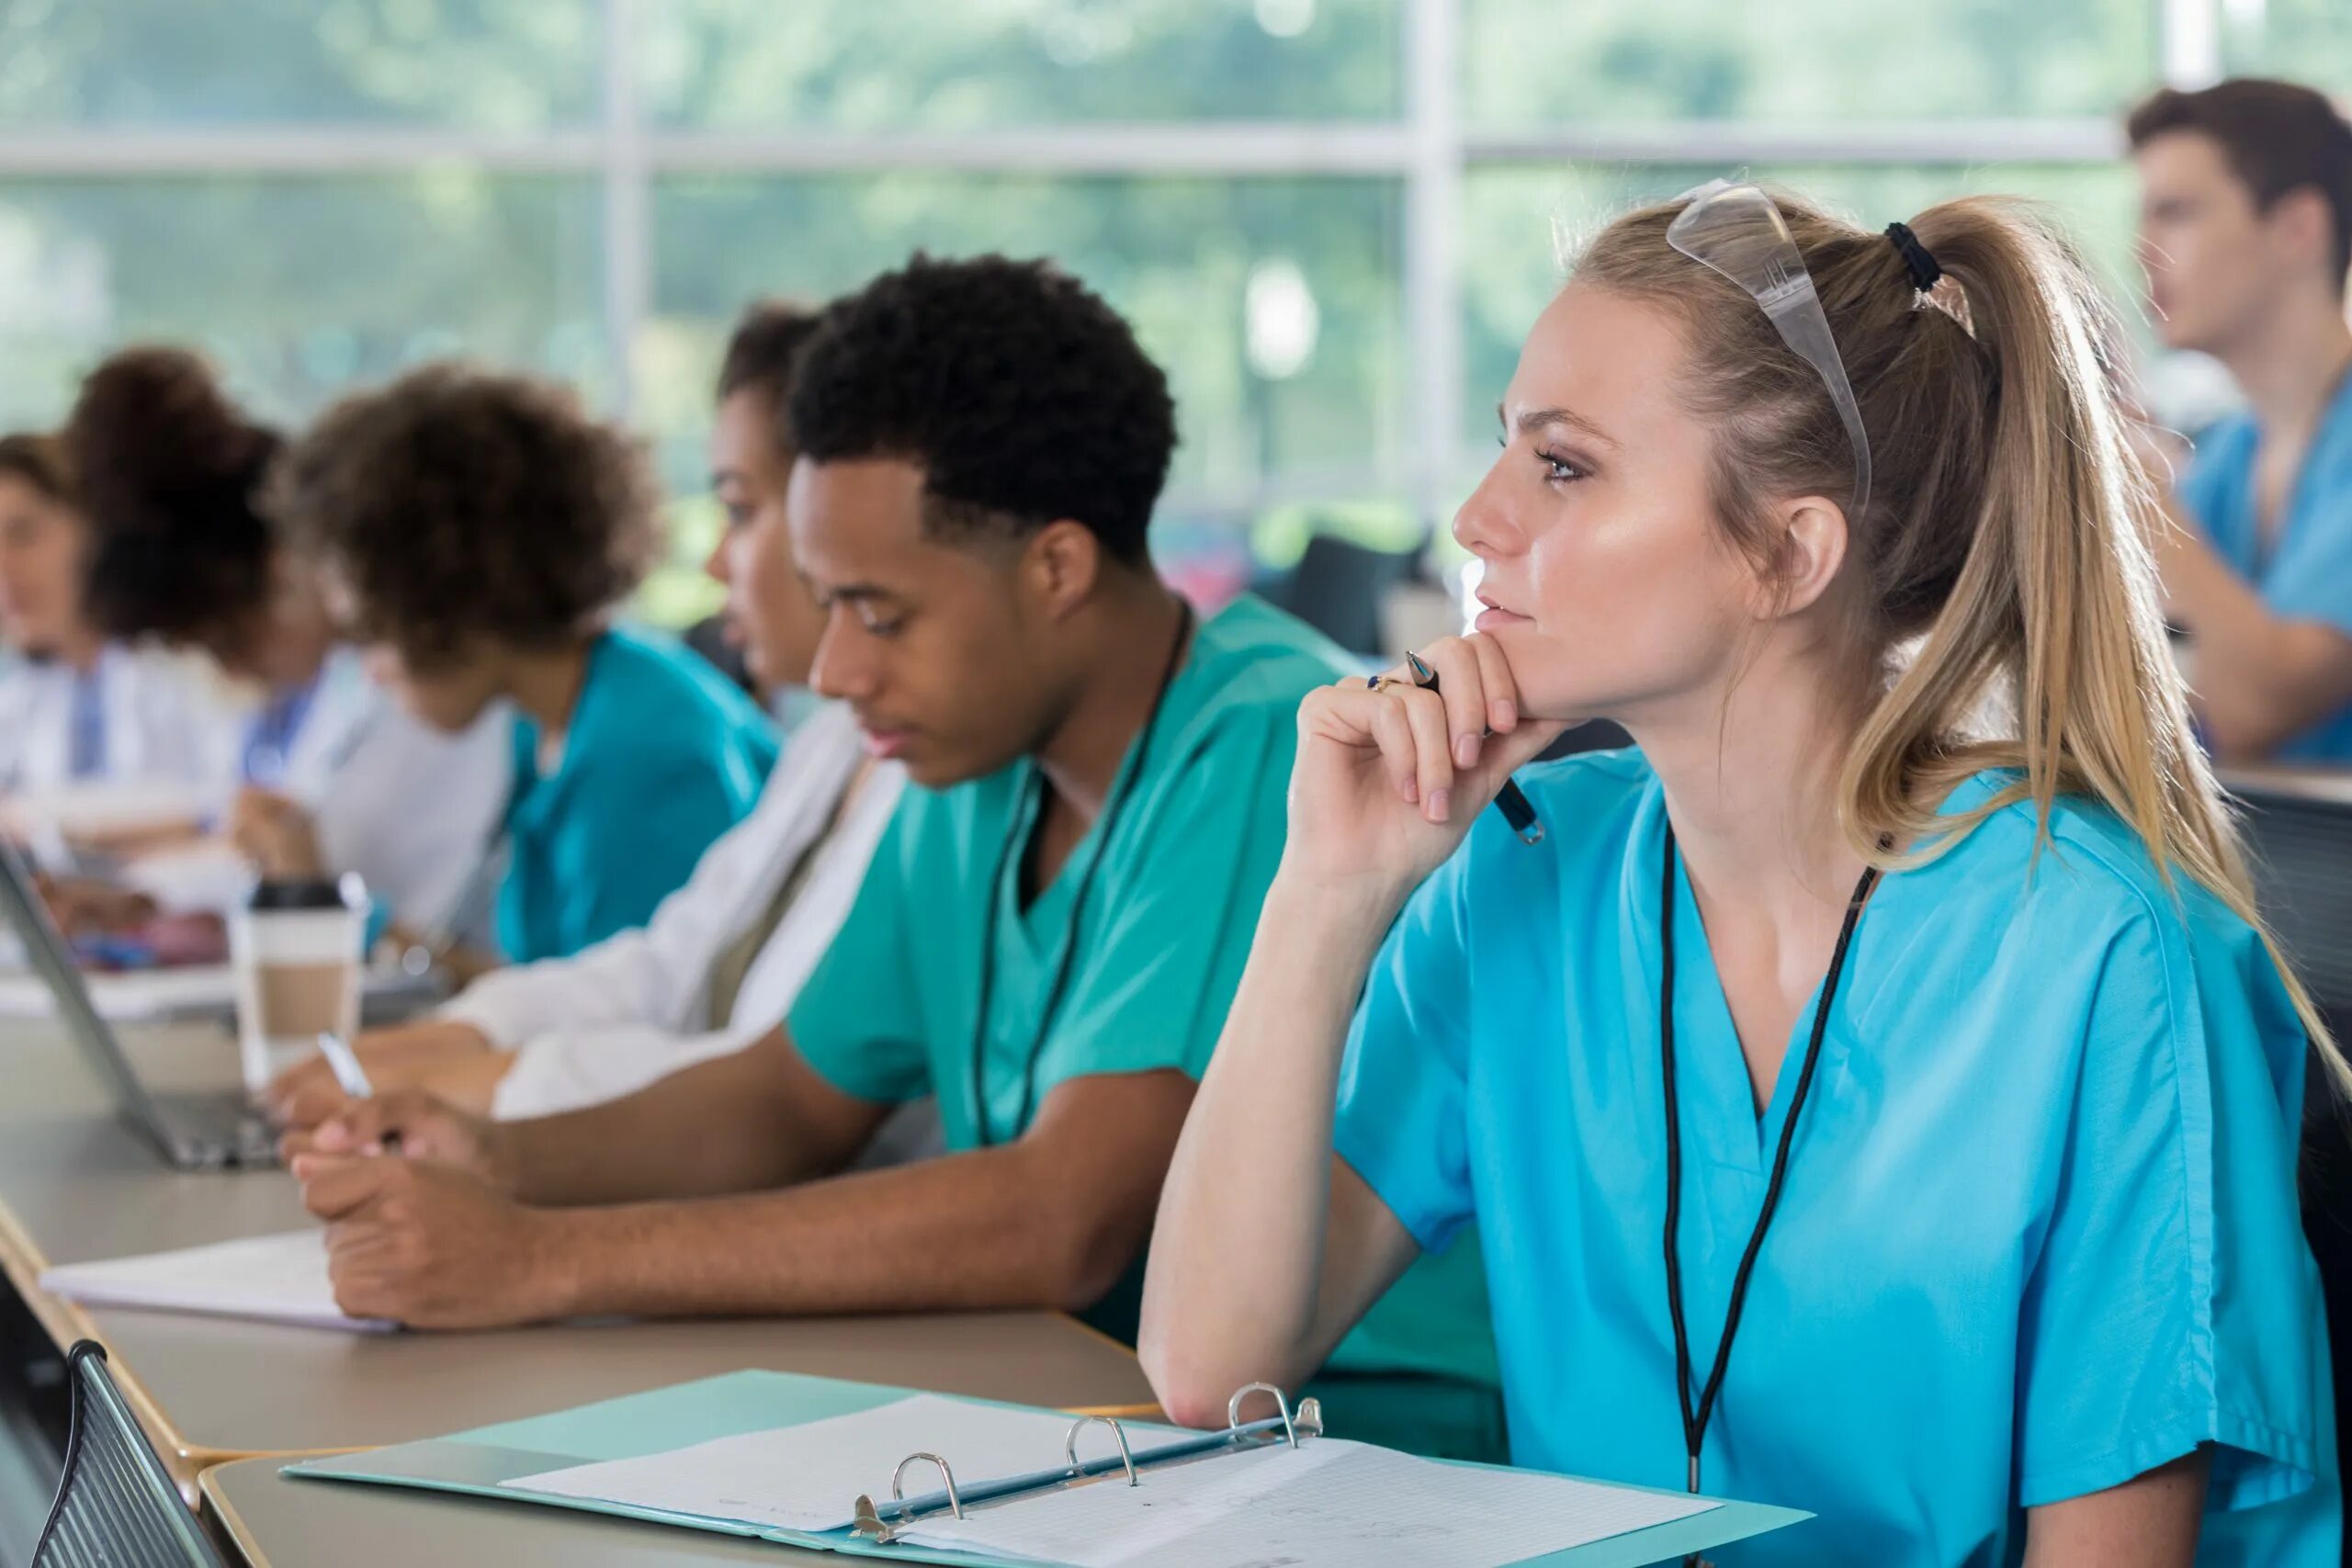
point(1534, 420)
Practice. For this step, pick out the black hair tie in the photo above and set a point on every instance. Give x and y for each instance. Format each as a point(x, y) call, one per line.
point(1925, 269)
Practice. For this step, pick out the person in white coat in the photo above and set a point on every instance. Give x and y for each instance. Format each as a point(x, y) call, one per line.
point(724, 956)
point(77, 709)
point(333, 777)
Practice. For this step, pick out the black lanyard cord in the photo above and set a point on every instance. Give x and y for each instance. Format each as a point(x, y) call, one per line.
point(1025, 824)
point(1695, 1417)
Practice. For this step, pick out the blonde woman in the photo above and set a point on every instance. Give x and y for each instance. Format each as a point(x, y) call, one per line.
point(1865, 1107)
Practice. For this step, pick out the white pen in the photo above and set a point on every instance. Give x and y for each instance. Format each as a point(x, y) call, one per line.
point(345, 1065)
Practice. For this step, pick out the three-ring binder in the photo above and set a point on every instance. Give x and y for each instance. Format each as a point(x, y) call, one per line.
point(880, 1523)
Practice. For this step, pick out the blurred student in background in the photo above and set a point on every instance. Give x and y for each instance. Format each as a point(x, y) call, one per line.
point(2245, 224)
point(475, 534)
point(169, 472)
point(724, 956)
point(79, 708)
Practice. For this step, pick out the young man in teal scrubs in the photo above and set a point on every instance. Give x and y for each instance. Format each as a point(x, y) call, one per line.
point(1049, 936)
point(2246, 228)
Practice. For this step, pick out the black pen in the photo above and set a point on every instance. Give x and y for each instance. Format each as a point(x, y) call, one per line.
point(1511, 801)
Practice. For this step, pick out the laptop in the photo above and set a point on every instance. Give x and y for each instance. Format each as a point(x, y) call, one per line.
point(217, 1131)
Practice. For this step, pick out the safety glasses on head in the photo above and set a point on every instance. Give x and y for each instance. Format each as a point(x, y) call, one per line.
point(1737, 231)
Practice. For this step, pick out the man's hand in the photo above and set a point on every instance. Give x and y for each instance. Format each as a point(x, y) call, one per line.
point(276, 834)
point(432, 1246)
point(454, 1062)
point(415, 1124)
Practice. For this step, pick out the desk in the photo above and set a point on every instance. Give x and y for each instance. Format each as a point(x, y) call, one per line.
point(278, 1522)
point(76, 1184)
point(2298, 824)
point(2325, 786)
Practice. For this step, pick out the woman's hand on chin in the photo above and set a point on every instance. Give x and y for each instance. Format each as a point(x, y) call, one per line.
point(1390, 776)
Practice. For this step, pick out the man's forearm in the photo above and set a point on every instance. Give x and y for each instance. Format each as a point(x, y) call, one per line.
point(729, 1124)
point(987, 1229)
point(2259, 678)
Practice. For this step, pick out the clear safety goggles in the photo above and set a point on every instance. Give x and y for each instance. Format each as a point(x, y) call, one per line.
point(1737, 231)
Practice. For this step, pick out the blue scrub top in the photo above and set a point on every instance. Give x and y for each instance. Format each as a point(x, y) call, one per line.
point(2038, 1232)
point(2306, 574)
point(662, 756)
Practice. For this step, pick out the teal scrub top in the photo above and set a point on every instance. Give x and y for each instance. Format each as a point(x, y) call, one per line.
point(887, 1015)
point(2038, 1233)
point(663, 754)
point(2305, 573)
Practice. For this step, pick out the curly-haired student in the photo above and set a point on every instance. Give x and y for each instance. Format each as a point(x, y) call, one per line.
point(168, 473)
point(475, 534)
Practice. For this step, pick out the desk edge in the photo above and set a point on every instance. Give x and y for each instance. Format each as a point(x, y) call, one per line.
point(231, 1522)
point(65, 1322)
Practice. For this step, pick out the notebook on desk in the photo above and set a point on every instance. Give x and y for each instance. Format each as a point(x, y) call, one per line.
point(270, 1279)
point(818, 1463)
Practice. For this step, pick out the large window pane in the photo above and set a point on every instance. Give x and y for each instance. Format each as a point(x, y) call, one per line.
point(2305, 41)
point(1535, 62)
point(299, 288)
point(1519, 221)
point(1273, 304)
point(898, 65)
point(490, 64)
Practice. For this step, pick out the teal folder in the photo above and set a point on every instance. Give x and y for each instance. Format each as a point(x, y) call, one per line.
point(475, 1462)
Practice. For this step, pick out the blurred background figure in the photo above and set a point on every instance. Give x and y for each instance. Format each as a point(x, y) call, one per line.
point(333, 777)
point(724, 957)
point(2245, 218)
point(475, 533)
point(77, 708)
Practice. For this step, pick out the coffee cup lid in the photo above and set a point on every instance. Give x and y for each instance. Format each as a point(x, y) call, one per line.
point(289, 895)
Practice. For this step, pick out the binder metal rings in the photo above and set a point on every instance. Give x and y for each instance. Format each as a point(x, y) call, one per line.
point(1293, 1427)
point(1119, 1432)
point(954, 1504)
point(1282, 1402)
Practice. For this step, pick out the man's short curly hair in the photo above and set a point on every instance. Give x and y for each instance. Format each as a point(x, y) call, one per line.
point(1023, 397)
point(461, 506)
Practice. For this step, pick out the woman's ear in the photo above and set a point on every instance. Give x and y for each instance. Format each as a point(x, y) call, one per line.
point(1812, 549)
point(1063, 561)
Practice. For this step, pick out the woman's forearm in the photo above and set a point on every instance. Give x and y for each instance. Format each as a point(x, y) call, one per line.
point(2148, 1521)
point(1235, 1291)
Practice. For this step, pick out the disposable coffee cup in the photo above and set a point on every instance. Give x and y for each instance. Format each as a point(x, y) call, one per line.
point(295, 947)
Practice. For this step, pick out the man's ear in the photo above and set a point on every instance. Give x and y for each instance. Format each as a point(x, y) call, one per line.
point(2301, 220)
point(1062, 561)
point(1812, 549)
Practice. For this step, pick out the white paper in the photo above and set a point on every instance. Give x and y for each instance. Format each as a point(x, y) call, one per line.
point(1329, 1504)
point(176, 991)
point(93, 807)
point(809, 1477)
point(130, 997)
point(278, 1278)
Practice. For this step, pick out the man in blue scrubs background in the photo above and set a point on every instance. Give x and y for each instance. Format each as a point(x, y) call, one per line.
point(2246, 228)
